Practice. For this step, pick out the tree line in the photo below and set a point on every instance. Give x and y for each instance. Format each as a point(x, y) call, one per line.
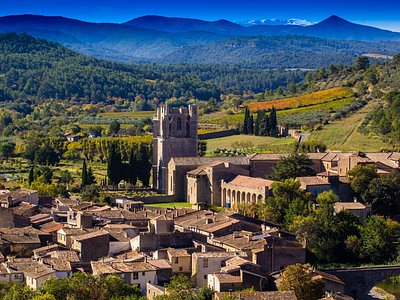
point(265, 124)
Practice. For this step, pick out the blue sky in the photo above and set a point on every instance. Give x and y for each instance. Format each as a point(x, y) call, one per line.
point(383, 14)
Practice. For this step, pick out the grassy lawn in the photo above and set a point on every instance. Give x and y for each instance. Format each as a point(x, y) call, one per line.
point(171, 205)
point(342, 134)
point(251, 143)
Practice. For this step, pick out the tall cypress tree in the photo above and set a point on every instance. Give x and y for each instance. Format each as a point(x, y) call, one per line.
point(31, 176)
point(273, 122)
point(246, 121)
point(84, 173)
point(144, 165)
point(267, 126)
point(257, 124)
point(90, 178)
point(133, 165)
point(251, 125)
point(114, 165)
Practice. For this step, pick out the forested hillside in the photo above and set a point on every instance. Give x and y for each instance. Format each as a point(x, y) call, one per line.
point(280, 52)
point(40, 69)
point(154, 39)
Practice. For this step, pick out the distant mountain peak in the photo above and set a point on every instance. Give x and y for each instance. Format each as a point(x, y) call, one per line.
point(276, 21)
point(334, 19)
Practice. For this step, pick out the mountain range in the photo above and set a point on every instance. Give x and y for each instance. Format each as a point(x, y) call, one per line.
point(180, 40)
point(292, 21)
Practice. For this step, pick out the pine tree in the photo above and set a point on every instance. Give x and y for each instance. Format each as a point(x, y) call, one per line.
point(84, 173)
point(31, 176)
point(144, 165)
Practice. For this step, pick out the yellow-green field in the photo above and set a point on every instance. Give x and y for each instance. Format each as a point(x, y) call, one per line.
point(223, 119)
point(138, 114)
point(343, 135)
point(251, 143)
point(171, 205)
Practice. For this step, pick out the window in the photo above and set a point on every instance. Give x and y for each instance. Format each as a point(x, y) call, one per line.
point(205, 276)
point(176, 260)
point(135, 275)
point(180, 269)
point(143, 273)
point(205, 263)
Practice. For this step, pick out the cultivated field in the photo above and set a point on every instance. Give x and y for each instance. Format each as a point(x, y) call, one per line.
point(303, 100)
point(343, 135)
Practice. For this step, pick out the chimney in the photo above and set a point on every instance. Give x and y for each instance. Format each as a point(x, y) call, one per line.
point(145, 258)
point(36, 270)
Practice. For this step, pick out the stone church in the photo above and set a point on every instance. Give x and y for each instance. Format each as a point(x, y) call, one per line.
point(233, 181)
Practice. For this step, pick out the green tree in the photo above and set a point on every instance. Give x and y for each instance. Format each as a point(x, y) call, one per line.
point(114, 165)
point(44, 297)
point(383, 193)
point(133, 167)
point(90, 178)
point(31, 176)
point(295, 165)
point(144, 164)
point(362, 63)
point(65, 177)
point(114, 128)
point(180, 287)
point(360, 177)
point(84, 173)
point(202, 148)
point(116, 288)
point(292, 88)
point(376, 240)
point(19, 292)
point(246, 121)
point(298, 278)
point(7, 150)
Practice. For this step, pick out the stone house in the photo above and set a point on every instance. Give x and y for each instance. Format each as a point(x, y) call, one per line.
point(268, 250)
point(360, 210)
point(12, 198)
point(92, 245)
point(314, 185)
point(154, 290)
point(204, 263)
point(256, 295)
point(65, 235)
point(135, 273)
point(180, 260)
point(37, 275)
point(238, 274)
